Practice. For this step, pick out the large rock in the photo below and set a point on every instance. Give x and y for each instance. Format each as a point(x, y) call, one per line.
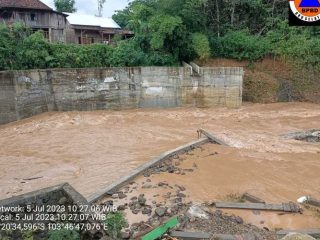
point(142, 200)
point(125, 235)
point(161, 211)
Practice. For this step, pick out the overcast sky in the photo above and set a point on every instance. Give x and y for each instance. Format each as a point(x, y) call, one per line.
point(91, 6)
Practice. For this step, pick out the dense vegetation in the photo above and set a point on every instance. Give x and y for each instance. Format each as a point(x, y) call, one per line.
point(65, 6)
point(239, 29)
point(22, 49)
point(168, 31)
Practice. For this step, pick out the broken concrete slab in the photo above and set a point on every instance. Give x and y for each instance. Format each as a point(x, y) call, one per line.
point(252, 198)
point(312, 201)
point(312, 232)
point(297, 236)
point(111, 189)
point(312, 135)
point(203, 236)
point(190, 235)
point(211, 137)
point(50, 195)
point(284, 207)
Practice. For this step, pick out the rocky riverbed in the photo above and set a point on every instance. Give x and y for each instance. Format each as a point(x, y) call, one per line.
point(165, 190)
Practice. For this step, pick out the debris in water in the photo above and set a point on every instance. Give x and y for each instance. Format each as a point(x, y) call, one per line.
point(196, 211)
point(307, 136)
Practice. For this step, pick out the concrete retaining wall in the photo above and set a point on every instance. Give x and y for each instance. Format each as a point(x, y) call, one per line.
point(27, 93)
point(61, 194)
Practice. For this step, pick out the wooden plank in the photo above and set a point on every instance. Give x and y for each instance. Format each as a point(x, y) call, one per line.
point(252, 198)
point(312, 232)
point(109, 190)
point(254, 206)
point(212, 138)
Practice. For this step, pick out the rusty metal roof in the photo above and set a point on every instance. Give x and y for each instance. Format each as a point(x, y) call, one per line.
point(26, 4)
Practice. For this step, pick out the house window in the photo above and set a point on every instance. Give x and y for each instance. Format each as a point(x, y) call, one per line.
point(45, 32)
point(33, 17)
point(6, 15)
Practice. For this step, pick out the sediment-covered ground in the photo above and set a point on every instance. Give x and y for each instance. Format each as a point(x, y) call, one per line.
point(213, 173)
point(92, 149)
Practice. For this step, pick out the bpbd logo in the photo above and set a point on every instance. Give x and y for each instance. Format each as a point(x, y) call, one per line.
point(304, 12)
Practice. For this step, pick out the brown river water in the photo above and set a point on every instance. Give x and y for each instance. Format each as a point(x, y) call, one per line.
point(92, 149)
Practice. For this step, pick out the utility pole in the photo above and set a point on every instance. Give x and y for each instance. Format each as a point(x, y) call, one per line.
point(100, 7)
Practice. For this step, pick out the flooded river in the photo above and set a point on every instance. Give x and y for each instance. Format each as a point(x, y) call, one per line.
point(92, 149)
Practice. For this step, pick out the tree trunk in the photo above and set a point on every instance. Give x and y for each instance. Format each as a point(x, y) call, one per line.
point(232, 12)
point(218, 17)
point(272, 13)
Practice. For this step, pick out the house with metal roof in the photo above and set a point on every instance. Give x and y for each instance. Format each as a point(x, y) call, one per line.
point(36, 15)
point(88, 29)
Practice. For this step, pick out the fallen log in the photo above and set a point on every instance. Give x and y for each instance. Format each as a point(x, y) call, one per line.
point(284, 207)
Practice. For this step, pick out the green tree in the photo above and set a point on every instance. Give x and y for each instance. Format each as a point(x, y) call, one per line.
point(33, 52)
point(201, 45)
point(242, 45)
point(194, 15)
point(169, 31)
point(162, 27)
point(65, 6)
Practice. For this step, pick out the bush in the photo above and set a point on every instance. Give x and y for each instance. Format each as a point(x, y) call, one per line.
point(115, 222)
point(201, 46)
point(63, 234)
point(10, 41)
point(243, 46)
point(127, 54)
point(161, 59)
point(302, 49)
point(32, 52)
point(215, 46)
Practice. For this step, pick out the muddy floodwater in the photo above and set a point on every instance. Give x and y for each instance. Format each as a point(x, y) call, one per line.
point(91, 149)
